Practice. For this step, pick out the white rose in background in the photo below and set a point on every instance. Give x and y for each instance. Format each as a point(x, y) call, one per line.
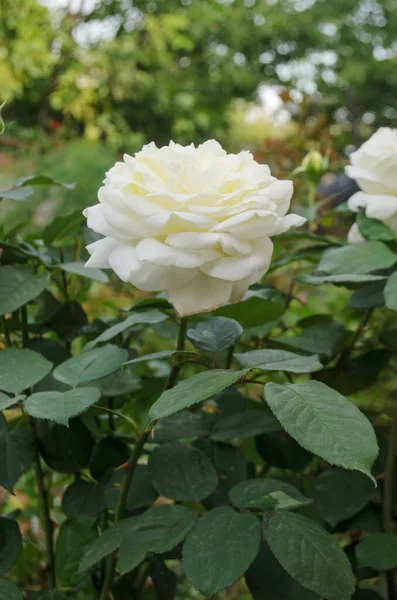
point(195, 222)
point(374, 167)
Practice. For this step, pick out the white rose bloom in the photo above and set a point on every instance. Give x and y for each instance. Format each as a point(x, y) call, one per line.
point(374, 167)
point(195, 222)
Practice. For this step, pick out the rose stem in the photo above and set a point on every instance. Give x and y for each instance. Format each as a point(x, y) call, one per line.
point(110, 565)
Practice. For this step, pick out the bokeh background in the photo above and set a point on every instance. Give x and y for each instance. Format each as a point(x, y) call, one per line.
point(86, 80)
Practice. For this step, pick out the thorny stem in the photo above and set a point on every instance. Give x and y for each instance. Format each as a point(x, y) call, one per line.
point(46, 518)
point(180, 345)
point(63, 277)
point(110, 565)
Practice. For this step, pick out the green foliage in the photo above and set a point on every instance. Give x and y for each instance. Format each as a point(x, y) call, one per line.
point(182, 472)
point(232, 464)
point(357, 258)
point(90, 365)
point(193, 390)
point(267, 493)
point(325, 423)
point(75, 534)
point(256, 308)
point(267, 576)
point(377, 550)
point(11, 544)
point(21, 369)
point(17, 453)
point(309, 555)
point(279, 360)
point(19, 286)
point(60, 407)
point(390, 292)
point(340, 494)
point(220, 548)
point(9, 591)
point(215, 335)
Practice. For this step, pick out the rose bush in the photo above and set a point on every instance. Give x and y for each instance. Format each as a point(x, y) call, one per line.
point(241, 461)
point(195, 222)
point(374, 167)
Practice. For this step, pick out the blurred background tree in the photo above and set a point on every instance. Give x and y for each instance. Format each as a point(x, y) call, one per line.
point(85, 80)
point(128, 71)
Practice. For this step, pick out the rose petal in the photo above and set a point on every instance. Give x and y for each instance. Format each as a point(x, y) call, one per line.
point(203, 293)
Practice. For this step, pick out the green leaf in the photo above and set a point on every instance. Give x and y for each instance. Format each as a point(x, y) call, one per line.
point(348, 280)
point(17, 453)
point(220, 548)
point(79, 268)
point(17, 193)
point(258, 493)
point(357, 258)
point(153, 356)
point(75, 534)
point(358, 373)
point(325, 339)
point(43, 180)
point(183, 424)
point(109, 453)
point(256, 308)
point(372, 229)
point(309, 554)
point(20, 369)
point(9, 591)
point(228, 402)
point(91, 365)
point(230, 465)
point(65, 450)
point(61, 406)
point(378, 551)
point(132, 551)
point(83, 498)
point(215, 335)
point(6, 401)
point(341, 494)
point(266, 579)
point(182, 472)
point(104, 545)
point(282, 451)
point(390, 292)
point(19, 285)
point(149, 317)
point(243, 425)
point(325, 423)
point(311, 254)
point(160, 355)
point(279, 360)
point(368, 296)
point(140, 494)
point(69, 321)
point(11, 544)
point(158, 530)
point(195, 389)
point(62, 227)
point(118, 383)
